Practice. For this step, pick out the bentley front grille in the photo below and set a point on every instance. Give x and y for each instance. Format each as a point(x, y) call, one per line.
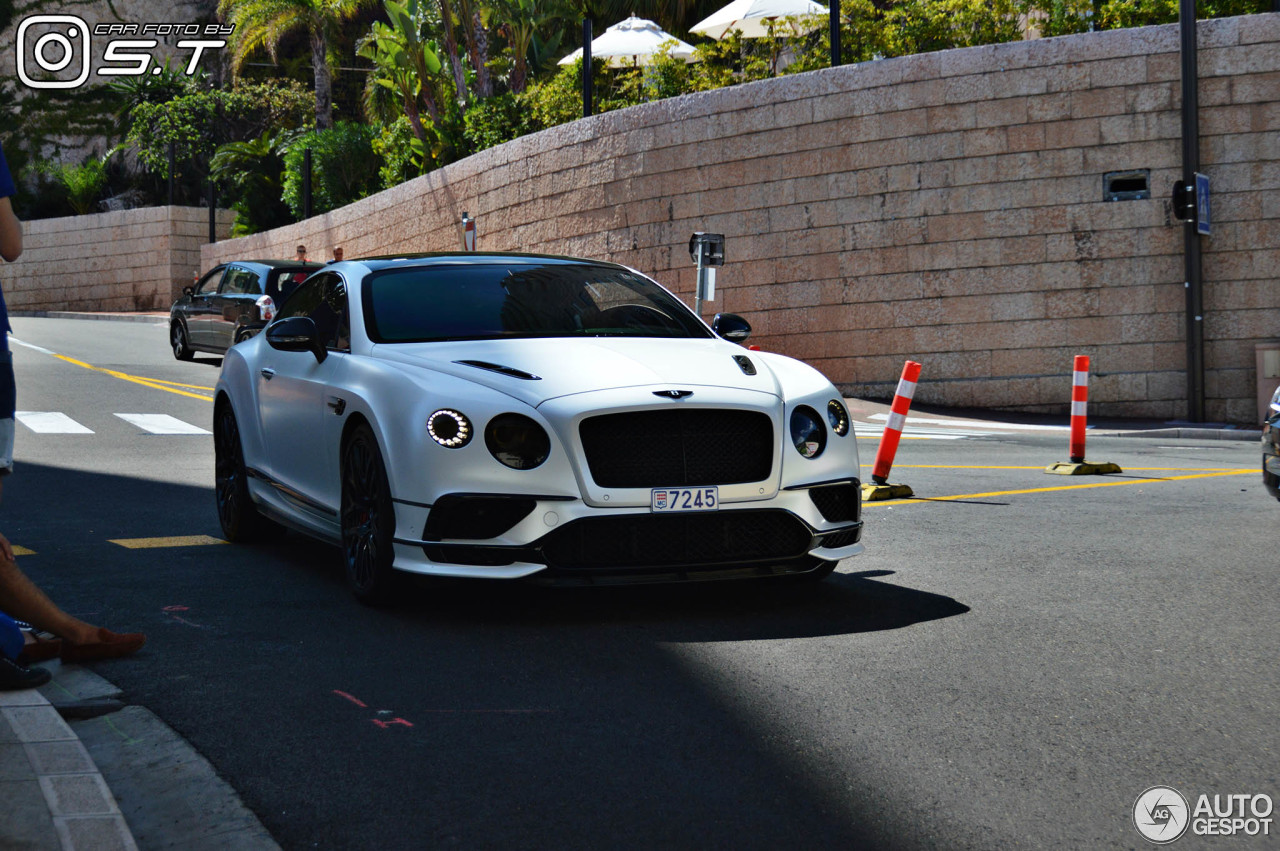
point(686, 447)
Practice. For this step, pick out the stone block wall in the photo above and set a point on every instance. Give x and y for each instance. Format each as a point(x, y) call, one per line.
point(946, 208)
point(131, 260)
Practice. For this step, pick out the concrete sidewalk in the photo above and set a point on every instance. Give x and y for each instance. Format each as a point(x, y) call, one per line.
point(54, 794)
point(82, 771)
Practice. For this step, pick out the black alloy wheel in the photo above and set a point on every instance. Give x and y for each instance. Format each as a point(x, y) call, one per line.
point(178, 339)
point(237, 514)
point(368, 519)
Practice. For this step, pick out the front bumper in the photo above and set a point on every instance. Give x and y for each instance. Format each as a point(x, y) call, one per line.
point(571, 541)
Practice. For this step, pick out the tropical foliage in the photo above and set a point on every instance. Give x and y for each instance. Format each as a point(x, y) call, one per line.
point(343, 167)
point(266, 23)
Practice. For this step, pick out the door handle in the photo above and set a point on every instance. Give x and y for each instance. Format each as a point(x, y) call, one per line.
point(268, 373)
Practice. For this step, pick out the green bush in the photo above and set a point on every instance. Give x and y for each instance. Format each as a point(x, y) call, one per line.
point(343, 167)
point(499, 119)
point(200, 122)
point(402, 154)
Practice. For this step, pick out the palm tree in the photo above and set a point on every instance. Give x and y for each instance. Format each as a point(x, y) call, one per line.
point(265, 23)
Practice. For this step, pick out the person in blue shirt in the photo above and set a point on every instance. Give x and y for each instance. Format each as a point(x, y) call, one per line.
point(80, 641)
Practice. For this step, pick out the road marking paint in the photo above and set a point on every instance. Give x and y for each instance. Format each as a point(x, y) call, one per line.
point(1041, 467)
point(977, 424)
point(50, 422)
point(154, 383)
point(959, 496)
point(30, 346)
point(156, 543)
point(22, 551)
point(161, 424)
point(357, 701)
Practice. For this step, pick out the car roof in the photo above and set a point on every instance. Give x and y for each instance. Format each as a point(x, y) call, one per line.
point(277, 264)
point(473, 258)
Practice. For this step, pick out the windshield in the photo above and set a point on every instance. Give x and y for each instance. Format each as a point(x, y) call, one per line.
point(485, 302)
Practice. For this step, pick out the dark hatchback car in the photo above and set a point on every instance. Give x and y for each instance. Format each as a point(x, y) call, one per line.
point(1271, 447)
point(231, 303)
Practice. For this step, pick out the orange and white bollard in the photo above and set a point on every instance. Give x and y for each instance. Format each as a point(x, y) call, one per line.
point(1076, 465)
point(892, 435)
point(1079, 407)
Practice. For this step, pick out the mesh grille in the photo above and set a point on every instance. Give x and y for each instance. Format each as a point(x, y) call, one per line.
point(696, 539)
point(836, 540)
point(684, 447)
point(837, 503)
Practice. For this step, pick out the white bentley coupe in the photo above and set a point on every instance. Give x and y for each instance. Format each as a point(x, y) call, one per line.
point(513, 415)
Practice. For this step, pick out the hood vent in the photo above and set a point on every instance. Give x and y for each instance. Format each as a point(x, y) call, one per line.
point(745, 364)
point(505, 370)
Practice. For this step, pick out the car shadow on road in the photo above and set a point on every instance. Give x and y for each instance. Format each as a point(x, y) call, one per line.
point(481, 713)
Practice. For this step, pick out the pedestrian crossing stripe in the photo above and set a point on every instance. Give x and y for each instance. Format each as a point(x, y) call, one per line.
point(50, 422)
point(161, 424)
point(56, 422)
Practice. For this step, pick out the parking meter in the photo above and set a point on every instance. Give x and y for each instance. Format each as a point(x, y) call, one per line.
point(707, 251)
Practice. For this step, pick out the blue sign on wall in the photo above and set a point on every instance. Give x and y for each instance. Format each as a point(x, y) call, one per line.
point(1202, 203)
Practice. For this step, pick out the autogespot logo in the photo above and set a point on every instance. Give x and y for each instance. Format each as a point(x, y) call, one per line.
point(1161, 814)
point(56, 51)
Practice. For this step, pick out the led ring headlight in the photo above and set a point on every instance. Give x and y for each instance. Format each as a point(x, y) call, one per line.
point(838, 417)
point(450, 429)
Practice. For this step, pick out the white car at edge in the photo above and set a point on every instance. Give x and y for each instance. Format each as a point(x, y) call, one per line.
point(510, 415)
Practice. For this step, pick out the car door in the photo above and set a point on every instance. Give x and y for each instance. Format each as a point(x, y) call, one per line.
point(294, 404)
point(199, 311)
point(236, 297)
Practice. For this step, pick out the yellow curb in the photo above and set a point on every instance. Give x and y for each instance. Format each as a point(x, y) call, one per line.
point(1083, 468)
point(872, 492)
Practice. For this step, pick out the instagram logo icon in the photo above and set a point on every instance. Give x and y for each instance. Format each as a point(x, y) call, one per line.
point(54, 48)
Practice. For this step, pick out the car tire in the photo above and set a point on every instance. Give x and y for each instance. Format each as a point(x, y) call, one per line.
point(240, 519)
point(367, 518)
point(178, 339)
point(242, 334)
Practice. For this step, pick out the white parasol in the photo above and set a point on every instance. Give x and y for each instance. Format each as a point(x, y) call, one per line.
point(632, 42)
point(756, 17)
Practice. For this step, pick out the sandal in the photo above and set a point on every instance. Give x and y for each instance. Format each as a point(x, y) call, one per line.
point(42, 649)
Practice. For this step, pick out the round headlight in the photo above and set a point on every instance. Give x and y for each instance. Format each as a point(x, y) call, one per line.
point(808, 435)
point(517, 441)
point(838, 417)
point(450, 429)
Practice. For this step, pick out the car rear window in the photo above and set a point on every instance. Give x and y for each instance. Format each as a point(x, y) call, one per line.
point(491, 301)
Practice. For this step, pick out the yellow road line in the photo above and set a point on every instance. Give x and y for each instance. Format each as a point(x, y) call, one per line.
point(1041, 467)
point(155, 543)
point(1106, 484)
point(154, 383)
point(22, 551)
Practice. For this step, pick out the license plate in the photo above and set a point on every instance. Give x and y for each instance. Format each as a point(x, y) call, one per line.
point(684, 499)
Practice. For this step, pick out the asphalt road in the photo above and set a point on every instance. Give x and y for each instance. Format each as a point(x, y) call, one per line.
point(1010, 664)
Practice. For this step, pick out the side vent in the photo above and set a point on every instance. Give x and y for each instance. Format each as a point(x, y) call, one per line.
point(499, 368)
point(745, 364)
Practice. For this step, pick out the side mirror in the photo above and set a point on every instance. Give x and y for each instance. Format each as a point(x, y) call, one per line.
point(296, 334)
point(731, 327)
